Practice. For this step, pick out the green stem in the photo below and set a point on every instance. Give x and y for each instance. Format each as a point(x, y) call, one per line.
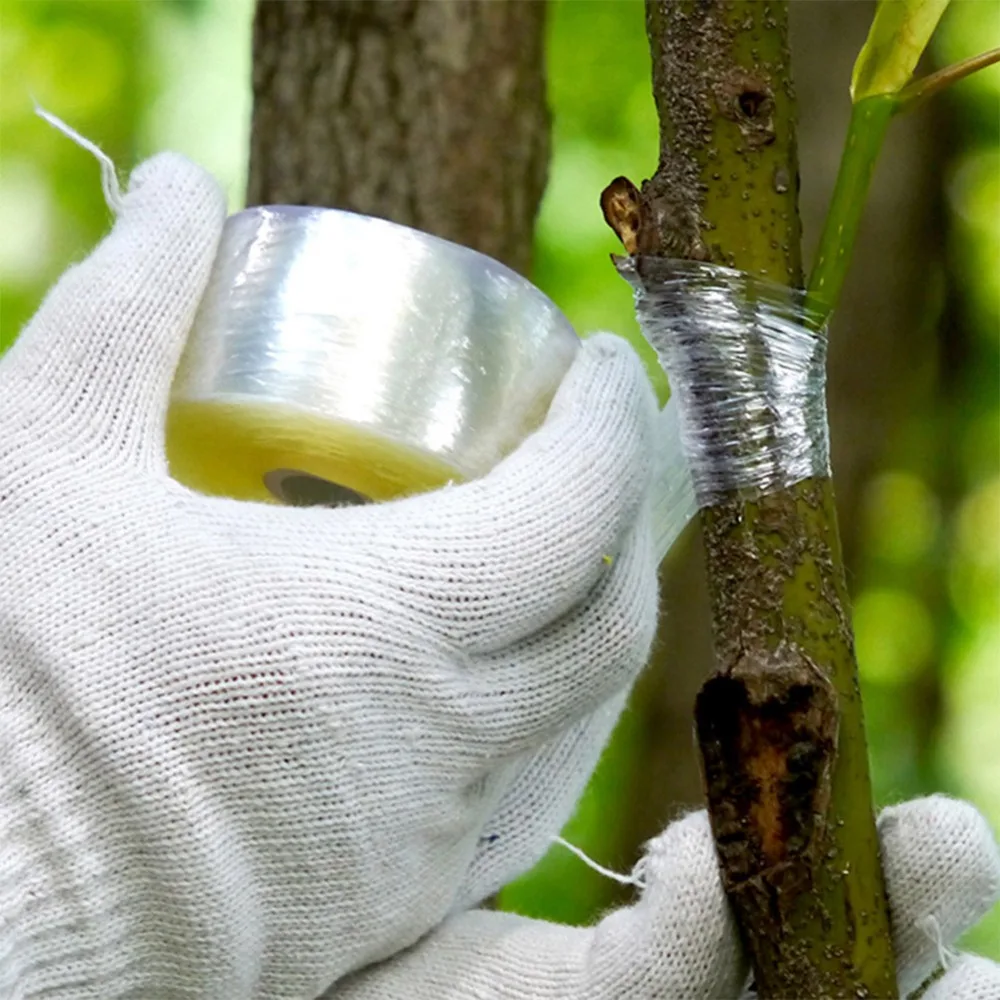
point(866, 132)
point(869, 122)
point(928, 86)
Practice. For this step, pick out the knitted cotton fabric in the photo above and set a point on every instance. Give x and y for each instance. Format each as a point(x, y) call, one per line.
point(256, 753)
point(244, 749)
point(679, 941)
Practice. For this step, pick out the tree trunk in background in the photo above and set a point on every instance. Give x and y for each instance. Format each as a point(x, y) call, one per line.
point(429, 114)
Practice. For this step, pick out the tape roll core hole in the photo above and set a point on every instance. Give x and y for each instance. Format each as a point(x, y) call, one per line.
point(300, 489)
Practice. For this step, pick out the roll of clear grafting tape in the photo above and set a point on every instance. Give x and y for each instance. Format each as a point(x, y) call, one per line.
point(337, 358)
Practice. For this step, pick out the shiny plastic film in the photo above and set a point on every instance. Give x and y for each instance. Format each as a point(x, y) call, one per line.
point(338, 357)
point(746, 362)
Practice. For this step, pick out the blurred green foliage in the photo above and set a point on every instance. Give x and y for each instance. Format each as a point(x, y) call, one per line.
point(88, 60)
point(930, 655)
point(604, 126)
point(970, 539)
point(141, 76)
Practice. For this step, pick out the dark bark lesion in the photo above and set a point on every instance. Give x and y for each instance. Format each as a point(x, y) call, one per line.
point(768, 731)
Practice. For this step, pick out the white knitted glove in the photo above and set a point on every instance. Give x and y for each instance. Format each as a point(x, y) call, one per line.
point(942, 869)
point(679, 941)
point(245, 749)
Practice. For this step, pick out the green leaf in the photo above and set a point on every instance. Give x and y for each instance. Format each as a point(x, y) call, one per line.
point(899, 34)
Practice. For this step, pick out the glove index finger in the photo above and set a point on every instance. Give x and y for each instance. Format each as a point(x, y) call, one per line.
point(496, 559)
point(942, 869)
point(100, 352)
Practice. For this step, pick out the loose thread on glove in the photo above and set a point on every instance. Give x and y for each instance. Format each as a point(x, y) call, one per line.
point(635, 879)
point(109, 176)
point(746, 362)
point(930, 926)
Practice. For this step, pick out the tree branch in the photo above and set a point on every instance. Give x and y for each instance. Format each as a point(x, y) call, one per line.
point(780, 723)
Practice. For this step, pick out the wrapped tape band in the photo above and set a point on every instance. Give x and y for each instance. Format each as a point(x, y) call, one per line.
point(747, 367)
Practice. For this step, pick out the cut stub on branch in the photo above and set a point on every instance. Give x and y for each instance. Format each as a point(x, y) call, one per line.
point(623, 211)
point(768, 730)
point(768, 733)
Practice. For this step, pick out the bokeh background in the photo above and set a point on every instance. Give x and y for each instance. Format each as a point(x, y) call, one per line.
point(915, 351)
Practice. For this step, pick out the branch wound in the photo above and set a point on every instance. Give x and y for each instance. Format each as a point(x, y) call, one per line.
point(768, 733)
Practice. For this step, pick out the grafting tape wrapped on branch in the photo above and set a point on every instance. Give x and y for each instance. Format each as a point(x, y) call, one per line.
point(747, 367)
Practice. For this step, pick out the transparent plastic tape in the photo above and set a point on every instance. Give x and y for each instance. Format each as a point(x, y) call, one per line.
point(674, 502)
point(338, 357)
point(746, 362)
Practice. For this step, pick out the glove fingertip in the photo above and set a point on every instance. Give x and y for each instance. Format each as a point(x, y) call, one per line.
point(942, 868)
point(169, 184)
point(969, 977)
point(939, 835)
point(681, 865)
point(605, 359)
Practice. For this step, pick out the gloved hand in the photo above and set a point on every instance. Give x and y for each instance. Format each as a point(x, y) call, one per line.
point(247, 749)
point(942, 870)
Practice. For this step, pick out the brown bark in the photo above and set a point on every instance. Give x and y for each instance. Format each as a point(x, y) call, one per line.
point(430, 114)
point(876, 370)
point(780, 724)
